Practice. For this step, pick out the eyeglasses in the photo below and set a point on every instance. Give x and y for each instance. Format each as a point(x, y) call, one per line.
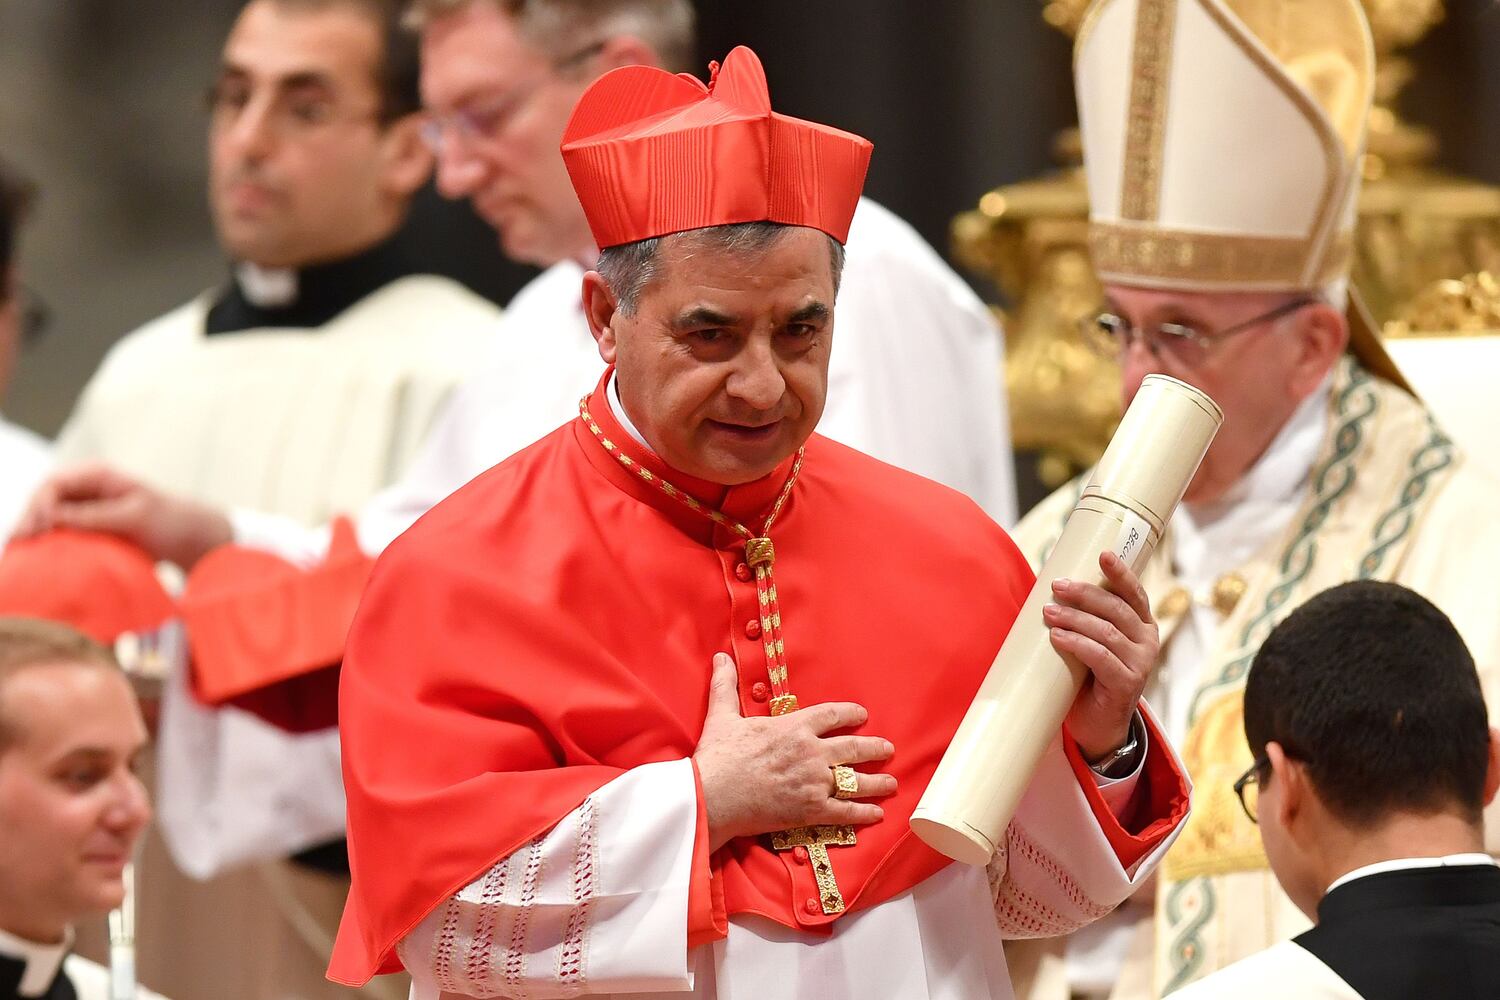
point(1247, 787)
point(1112, 336)
point(489, 120)
point(291, 114)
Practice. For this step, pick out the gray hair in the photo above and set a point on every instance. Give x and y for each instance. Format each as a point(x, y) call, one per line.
point(630, 267)
point(557, 26)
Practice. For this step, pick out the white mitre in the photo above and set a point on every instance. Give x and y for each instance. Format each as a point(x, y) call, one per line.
point(1223, 142)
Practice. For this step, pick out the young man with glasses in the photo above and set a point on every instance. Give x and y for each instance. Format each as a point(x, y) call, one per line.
point(1373, 764)
point(24, 456)
point(1225, 264)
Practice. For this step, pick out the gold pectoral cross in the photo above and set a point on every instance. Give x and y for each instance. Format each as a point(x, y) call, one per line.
point(817, 840)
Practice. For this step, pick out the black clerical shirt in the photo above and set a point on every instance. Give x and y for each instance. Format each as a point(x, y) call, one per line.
point(13, 971)
point(1414, 934)
point(323, 291)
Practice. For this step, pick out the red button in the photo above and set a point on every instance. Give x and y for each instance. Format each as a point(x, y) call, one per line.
point(752, 628)
point(760, 692)
point(800, 855)
point(742, 572)
point(813, 906)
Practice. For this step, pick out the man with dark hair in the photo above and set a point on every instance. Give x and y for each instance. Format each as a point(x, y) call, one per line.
point(71, 806)
point(24, 456)
point(314, 156)
point(1373, 764)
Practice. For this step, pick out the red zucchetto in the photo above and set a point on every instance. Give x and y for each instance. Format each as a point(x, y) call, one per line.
point(652, 153)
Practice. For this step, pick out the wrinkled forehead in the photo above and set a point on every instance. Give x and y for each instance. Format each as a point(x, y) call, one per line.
point(760, 254)
point(1144, 303)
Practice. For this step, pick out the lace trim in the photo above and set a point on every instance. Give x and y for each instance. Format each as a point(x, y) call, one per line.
point(571, 970)
point(515, 955)
point(1018, 908)
point(1021, 911)
point(491, 897)
point(447, 942)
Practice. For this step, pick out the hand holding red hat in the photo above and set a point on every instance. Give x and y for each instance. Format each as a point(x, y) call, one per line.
point(96, 497)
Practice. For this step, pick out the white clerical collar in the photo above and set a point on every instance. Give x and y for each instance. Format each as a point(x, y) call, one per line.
point(1211, 539)
point(42, 961)
point(266, 287)
point(618, 409)
point(1404, 864)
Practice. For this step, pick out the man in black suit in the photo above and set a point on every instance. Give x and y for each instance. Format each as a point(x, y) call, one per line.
point(1374, 760)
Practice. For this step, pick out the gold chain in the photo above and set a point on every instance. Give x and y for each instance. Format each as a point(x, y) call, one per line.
point(760, 554)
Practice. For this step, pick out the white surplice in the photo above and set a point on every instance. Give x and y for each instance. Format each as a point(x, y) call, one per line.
point(304, 421)
point(26, 458)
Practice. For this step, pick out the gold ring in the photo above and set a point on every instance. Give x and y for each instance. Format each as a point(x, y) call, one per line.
point(845, 782)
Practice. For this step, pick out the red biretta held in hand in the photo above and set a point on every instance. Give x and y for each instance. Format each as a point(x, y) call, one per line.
point(652, 153)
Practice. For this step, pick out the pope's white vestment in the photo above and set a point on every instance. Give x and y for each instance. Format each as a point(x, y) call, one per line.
point(1359, 483)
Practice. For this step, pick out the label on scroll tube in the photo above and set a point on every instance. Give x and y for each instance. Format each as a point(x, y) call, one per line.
point(1131, 542)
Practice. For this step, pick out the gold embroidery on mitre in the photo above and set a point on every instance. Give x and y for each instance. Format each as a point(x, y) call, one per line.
point(1146, 124)
point(1219, 838)
point(1321, 59)
point(1130, 254)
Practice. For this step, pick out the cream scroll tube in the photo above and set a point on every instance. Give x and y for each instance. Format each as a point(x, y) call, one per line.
point(1027, 693)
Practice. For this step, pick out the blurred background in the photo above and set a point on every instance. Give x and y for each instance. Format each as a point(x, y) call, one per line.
point(102, 102)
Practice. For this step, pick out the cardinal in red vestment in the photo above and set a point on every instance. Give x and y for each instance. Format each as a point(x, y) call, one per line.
point(645, 709)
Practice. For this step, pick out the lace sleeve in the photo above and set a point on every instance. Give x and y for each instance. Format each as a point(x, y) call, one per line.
point(597, 904)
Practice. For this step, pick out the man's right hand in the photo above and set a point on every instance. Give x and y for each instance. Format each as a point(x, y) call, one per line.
point(762, 775)
point(94, 497)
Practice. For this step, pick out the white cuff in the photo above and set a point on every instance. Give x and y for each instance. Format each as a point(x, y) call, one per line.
point(1117, 792)
point(283, 536)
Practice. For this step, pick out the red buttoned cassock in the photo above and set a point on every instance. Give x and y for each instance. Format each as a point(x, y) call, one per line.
point(552, 625)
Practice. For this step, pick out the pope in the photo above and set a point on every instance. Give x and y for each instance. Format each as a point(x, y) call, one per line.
point(646, 708)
